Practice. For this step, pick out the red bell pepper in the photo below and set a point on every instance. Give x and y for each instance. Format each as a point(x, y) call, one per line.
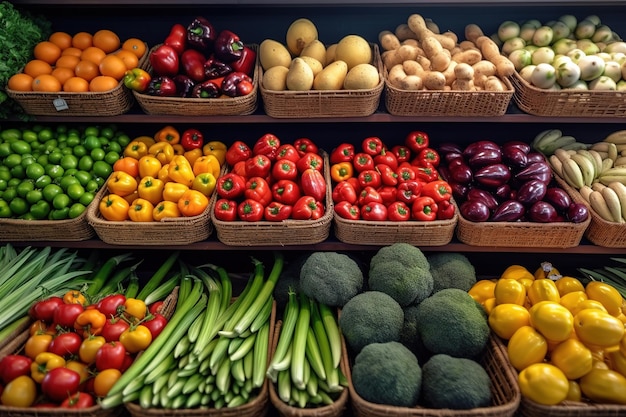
point(207, 89)
point(386, 157)
point(288, 151)
point(214, 68)
point(286, 192)
point(438, 190)
point(424, 208)
point(258, 166)
point(137, 79)
point(426, 173)
point(246, 61)
point(398, 212)
point(416, 141)
point(225, 210)
point(310, 160)
point(405, 173)
point(267, 145)
point(250, 210)
point(372, 145)
point(388, 193)
point(240, 169)
point(161, 86)
point(284, 169)
point(354, 181)
point(164, 61)
point(177, 38)
point(370, 178)
point(193, 64)
point(342, 153)
point(237, 84)
point(312, 183)
point(184, 85)
point(228, 47)
point(402, 153)
point(307, 208)
point(192, 139)
point(427, 155)
point(363, 161)
point(259, 190)
point(387, 174)
point(374, 211)
point(244, 87)
point(277, 212)
point(201, 34)
point(369, 194)
point(304, 146)
point(445, 210)
point(409, 191)
point(347, 210)
point(230, 186)
point(236, 152)
point(344, 191)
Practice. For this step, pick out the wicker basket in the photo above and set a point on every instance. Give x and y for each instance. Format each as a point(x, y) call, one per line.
point(285, 233)
point(335, 409)
point(53, 230)
point(106, 103)
point(447, 103)
point(330, 103)
point(600, 232)
point(180, 106)
point(505, 393)
point(567, 103)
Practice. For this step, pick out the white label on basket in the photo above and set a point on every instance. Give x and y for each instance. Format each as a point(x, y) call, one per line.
point(60, 104)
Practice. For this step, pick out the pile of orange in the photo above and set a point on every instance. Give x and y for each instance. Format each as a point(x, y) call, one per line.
point(82, 62)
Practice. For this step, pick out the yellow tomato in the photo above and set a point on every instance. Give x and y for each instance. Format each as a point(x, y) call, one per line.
point(572, 357)
point(516, 272)
point(572, 300)
point(543, 289)
point(505, 319)
point(565, 285)
point(526, 347)
point(482, 290)
point(596, 327)
point(552, 320)
point(604, 386)
point(610, 298)
point(509, 291)
point(543, 383)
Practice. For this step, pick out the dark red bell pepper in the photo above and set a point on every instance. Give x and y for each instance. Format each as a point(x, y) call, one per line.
point(438, 190)
point(161, 86)
point(193, 64)
point(386, 157)
point(184, 85)
point(402, 153)
point(370, 178)
point(388, 193)
point(214, 68)
point(225, 210)
point(344, 191)
point(409, 191)
point(277, 212)
point(312, 183)
point(286, 192)
point(267, 145)
point(342, 153)
point(284, 169)
point(347, 210)
point(238, 151)
point(424, 209)
point(445, 210)
point(374, 211)
point(398, 212)
point(310, 160)
point(258, 166)
point(363, 161)
point(164, 61)
point(191, 139)
point(228, 47)
point(416, 141)
point(288, 151)
point(307, 208)
point(250, 210)
point(201, 34)
point(232, 80)
point(177, 38)
point(387, 174)
point(246, 61)
point(230, 186)
point(372, 145)
point(207, 89)
point(427, 155)
point(405, 173)
point(305, 145)
point(259, 190)
point(369, 194)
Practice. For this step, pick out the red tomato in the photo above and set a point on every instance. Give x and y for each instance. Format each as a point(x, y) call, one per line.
point(65, 315)
point(155, 307)
point(12, 366)
point(78, 400)
point(66, 344)
point(59, 383)
point(111, 305)
point(44, 309)
point(110, 355)
point(156, 324)
point(113, 328)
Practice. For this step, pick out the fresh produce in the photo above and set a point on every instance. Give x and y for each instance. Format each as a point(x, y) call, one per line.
point(451, 270)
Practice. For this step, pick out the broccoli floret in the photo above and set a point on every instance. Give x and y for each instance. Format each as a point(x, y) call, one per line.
point(405, 283)
point(451, 270)
point(456, 383)
point(387, 373)
point(371, 316)
point(404, 253)
point(452, 322)
point(331, 278)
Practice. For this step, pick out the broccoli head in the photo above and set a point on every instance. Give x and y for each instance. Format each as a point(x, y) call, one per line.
point(456, 383)
point(371, 316)
point(405, 283)
point(388, 374)
point(409, 336)
point(404, 253)
point(451, 270)
point(452, 322)
point(331, 278)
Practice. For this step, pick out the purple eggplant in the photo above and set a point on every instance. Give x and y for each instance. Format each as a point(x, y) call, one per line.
point(504, 192)
point(460, 172)
point(449, 147)
point(508, 211)
point(531, 191)
point(475, 147)
point(536, 171)
point(483, 196)
point(558, 198)
point(514, 157)
point(493, 176)
point(451, 156)
point(444, 172)
point(577, 213)
point(486, 156)
point(535, 157)
point(475, 211)
point(543, 212)
point(459, 191)
point(517, 144)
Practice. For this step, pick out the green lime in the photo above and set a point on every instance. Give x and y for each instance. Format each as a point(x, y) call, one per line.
point(45, 134)
point(18, 171)
point(61, 214)
point(123, 139)
point(50, 191)
point(21, 147)
point(114, 147)
point(5, 210)
point(3, 184)
point(108, 132)
point(79, 151)
point(29, 135)
point(61, 201)
point(5, 149)
point(40, 210)
point(43, 159)
point(55, 156)
point(27, 160)
point(68, 180)
point(85, 163)
point(42, 181)
point(83, 177)
point(73, 140)
point(111, 157)
point(14, 182)
point(35, 170)
point(92, 185)
point(92, 131)
point(10, 193)
point(5, 173)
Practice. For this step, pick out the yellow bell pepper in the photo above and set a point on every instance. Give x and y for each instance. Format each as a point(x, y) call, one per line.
point(148, 140)
point(151, 189)
point(509, 290)
point(526, 346)
point(192, 155)
point(505, 319)
point(552, 320)
point(172, 191)
point(132, 197)
point(136, 149)
point(165, 209)
point(141, 211)
point(572, 301)
point(617, 361)
point(149, 166)
point(163, 151)
point(205, 183)
point(604, 386)
point(163, 173)
point(592, 304)
point(543, 289)
point(482, 290)
point(114, 208)
point(45, 362)
point(543, 383)
point(217, 149)
point(572, 357)
point(610, 298)
point(489, 304)
point(516, 272)
point(181, 171)
point(192, 203)
point(167, 134)
point(207, 163)
point(566, 285)
point(121, 183)
point(596, 327)
point(178, 149)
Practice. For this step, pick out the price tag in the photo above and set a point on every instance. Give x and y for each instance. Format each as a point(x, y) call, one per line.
point(60, 104)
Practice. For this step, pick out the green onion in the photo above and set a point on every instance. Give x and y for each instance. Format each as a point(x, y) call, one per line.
point(154, 282)
point(103, 274)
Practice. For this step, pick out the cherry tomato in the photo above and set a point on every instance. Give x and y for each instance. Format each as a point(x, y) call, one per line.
point(21, 392)
point(113, 328)
point(66, 344)
point(59, 383)
point(103, 382)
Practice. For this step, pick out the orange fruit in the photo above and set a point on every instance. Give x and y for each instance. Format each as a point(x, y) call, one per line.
point(61, 39)
point(87, 70)
point(46, 83)
point(76, 85)
point(107, 40)
point(72, 51)
point(135, 45)
point(47, 51)
point(93, 54)
point(82, 40)
point(130, 59)
point(113, 66)
point(62, 74)
point(36, 67)
point(20, 82)
point(67, 61)
point(102, 83)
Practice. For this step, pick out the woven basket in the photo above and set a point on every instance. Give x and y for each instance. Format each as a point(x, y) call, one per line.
point(600, 232)
point(336, 409)
point(567, 103)
point(285, 233)
point(505, 394)
point(53, 230)
point(446, 103)
point(364, 232)
point(329, 103)
point(182, 106)
point(107, 103)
